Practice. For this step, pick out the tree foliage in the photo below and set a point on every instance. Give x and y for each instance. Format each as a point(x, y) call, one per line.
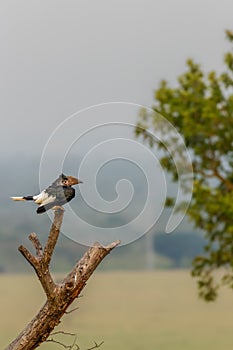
point(201, 109)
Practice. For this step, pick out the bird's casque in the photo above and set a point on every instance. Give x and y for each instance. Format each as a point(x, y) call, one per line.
point(58, 193)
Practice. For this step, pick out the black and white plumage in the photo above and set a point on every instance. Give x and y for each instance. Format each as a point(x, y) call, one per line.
point(58, 193)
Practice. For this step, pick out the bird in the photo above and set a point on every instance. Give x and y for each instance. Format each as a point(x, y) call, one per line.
point(57, 194)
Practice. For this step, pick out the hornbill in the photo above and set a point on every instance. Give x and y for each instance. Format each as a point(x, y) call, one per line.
point(57, 194)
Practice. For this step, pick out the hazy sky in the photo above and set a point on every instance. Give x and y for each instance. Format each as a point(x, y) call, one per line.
point(58, 57)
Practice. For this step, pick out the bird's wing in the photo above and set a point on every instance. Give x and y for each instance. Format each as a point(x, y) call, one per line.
point(69, 193)
point(57, 192)
point(57, 195)
point(53, 192)
point(44, 198)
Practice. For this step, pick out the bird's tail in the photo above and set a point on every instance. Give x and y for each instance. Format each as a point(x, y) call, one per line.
point(25, 198)
point(43, 208)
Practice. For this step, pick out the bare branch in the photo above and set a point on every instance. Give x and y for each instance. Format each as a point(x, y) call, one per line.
point(28, 256)
point(96, 346)
point(53, 235)
point(36, 243)
point(86, 265)
point(69, 312)
point(40, 266)
point(64, 333)
point(59, 296)
point(74, 344)
point(70, 347)
point(47, 283)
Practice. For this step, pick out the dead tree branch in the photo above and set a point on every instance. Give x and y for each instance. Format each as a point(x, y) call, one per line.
point(74, 345)
point(61, 295)
point(95, 346)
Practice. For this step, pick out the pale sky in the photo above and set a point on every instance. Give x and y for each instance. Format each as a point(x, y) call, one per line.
point(58, 57)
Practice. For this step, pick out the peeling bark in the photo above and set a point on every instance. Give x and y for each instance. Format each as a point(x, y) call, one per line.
point(59, 296)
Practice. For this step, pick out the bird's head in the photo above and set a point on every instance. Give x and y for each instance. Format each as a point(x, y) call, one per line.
point(71, 181)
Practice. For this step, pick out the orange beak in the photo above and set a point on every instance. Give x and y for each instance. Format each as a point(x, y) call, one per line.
point(74, 181)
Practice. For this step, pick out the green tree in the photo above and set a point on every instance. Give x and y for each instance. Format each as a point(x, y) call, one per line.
point(201, 109)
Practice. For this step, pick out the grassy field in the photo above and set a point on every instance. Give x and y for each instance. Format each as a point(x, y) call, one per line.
point(128, 310)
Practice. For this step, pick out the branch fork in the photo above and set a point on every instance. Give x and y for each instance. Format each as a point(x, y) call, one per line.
point(59, 296)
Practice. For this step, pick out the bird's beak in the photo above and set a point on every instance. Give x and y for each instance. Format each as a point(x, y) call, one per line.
point(74, 180)
point(77, 181)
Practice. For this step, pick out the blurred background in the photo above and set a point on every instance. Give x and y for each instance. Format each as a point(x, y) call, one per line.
point(58, 58)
